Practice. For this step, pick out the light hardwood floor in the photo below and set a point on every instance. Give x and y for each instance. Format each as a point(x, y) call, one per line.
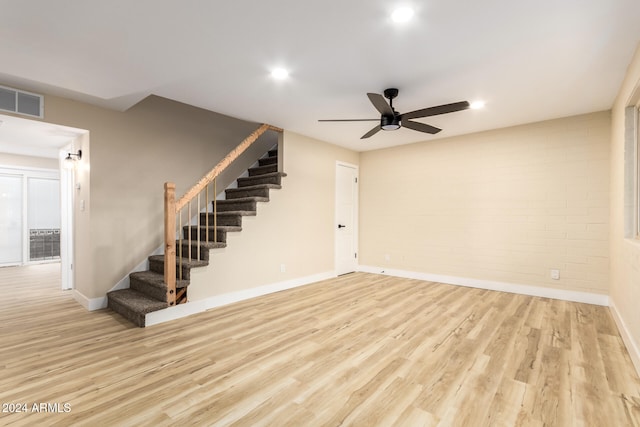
point(362, 350)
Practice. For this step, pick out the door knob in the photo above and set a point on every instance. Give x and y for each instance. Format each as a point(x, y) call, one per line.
point(341, 226)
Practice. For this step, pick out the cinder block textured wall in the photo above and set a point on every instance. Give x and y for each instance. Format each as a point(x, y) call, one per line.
point(506, 205)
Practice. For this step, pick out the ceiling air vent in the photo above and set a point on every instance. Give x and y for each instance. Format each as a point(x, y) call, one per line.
point(21, 102)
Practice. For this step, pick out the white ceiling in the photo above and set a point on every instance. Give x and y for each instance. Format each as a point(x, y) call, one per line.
point(529, 61)
point(32, 138)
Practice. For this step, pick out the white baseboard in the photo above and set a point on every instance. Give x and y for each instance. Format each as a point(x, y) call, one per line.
point(200, 306)
point(630, 343)
point(536, 291)
point(90, 304)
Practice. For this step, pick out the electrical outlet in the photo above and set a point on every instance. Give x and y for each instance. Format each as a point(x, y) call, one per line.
point(555, 274)
point(283, 268)
point(387, 257)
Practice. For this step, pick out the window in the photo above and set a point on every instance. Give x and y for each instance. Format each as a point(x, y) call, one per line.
point(632, 173)
point(29, 216)
point(637, 169)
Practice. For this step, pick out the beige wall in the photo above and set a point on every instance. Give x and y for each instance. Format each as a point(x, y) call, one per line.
point(625, 253)
point(127, 157)
point(505, 205)
point(295, 228)
point(7, 159)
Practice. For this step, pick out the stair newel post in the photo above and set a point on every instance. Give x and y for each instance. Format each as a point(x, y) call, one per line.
point(198, 223)
point(215, 211)
point(206, 217)
point(170, 241)
point(180, 233)
point(189, 228)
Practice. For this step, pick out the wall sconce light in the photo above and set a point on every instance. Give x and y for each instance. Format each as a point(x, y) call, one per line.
point(69, 162)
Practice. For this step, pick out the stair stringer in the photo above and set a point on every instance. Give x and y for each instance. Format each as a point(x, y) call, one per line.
point(200, 276)
point(260, 149)
point(149, 293)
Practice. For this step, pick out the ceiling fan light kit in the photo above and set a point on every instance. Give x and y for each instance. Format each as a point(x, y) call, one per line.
point(389, 123)
point(390, 119)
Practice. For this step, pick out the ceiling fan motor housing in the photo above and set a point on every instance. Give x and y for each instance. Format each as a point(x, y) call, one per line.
point(390, 122)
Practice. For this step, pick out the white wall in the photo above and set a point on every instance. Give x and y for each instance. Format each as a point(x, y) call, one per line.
point(625, 253)
point(127, 157)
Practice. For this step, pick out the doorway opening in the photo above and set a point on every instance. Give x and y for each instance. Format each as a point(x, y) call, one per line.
point(36, 209)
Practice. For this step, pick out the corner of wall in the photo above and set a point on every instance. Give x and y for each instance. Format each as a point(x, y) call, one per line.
point(90, 304)
point(627, 337)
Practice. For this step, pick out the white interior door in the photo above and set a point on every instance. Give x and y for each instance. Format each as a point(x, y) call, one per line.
point(346, 220)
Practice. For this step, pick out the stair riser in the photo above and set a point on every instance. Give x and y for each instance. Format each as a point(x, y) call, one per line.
point(135, 318)
point(273, 153)
point(158, 267)
point(253, 192)
point(220, 236)
point(150, 291)
point(223, 220)
point(204, 252)
point(255, 180)
point(262, 170)
point(268, 161)
point(232, 205)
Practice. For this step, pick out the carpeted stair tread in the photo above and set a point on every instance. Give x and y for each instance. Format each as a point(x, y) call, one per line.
point(261, 170)
point(203, 244)
point(243, 199)
point(186, 262)
point(152, 284)
point(267, 178)
point(215, 234)
point(241, 213)
point(239, 204)
point(260, 190)
point(251, 187)
point(268, 160)
point(156, 279)
point(228, 228)
point(133, 305)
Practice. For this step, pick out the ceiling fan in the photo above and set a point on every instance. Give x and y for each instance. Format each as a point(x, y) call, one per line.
point(390, 119)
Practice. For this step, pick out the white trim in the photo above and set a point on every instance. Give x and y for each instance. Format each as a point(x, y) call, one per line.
point(194, 307)
point(536, 291)
point(90, 304)
point(627, 338)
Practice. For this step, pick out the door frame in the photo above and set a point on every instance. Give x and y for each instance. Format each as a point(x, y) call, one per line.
point(356, 197)
point(66, 222)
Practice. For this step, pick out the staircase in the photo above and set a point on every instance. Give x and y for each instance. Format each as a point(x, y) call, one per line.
point(148, 290)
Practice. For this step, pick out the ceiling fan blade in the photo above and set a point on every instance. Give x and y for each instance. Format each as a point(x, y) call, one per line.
point(420, 127)
point(381, 105)
point(371, 132)
point(349, 120)
point(434, 111)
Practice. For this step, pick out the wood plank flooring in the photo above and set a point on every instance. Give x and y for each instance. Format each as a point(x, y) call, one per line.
point(359, 350)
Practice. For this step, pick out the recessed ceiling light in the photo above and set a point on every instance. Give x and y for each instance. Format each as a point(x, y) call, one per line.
point(477, 105)
point(279, 74)
point(402, 14)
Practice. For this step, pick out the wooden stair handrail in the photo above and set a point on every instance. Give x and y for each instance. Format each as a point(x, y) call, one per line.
point(173, 207)
point(222, 165)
